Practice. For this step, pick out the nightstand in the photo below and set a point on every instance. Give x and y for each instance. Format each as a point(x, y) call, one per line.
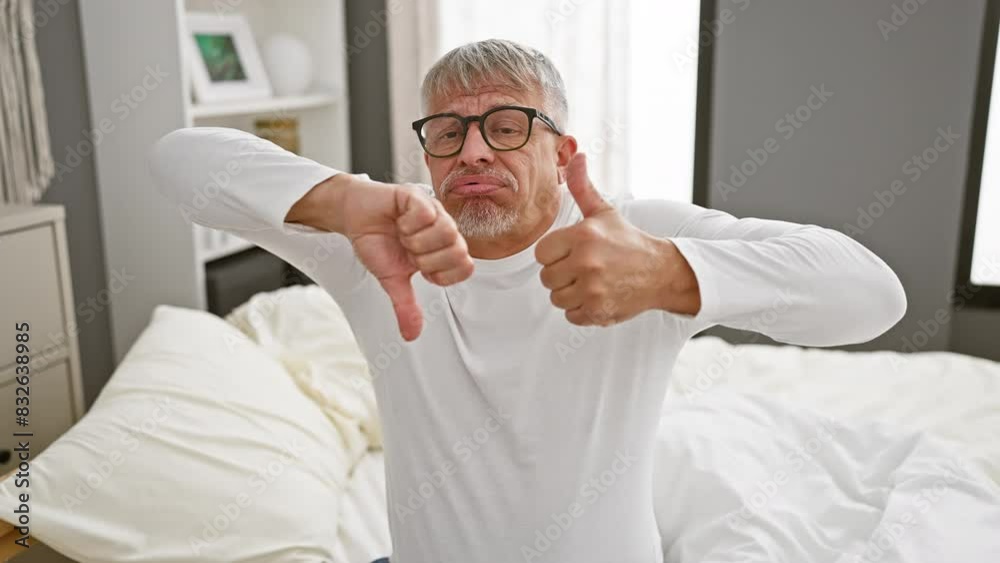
point(36, 309)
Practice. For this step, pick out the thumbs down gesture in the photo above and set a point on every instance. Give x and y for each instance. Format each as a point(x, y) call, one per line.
point(603, 270)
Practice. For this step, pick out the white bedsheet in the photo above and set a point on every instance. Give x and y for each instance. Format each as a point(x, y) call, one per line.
point(364, 530)
point(740, 478)
point(902, 477)
point(949, 396)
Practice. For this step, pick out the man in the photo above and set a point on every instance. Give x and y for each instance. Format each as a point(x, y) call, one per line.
point(515, 429)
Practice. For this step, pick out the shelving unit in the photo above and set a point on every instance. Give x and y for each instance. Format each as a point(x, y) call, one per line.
point(127, 43)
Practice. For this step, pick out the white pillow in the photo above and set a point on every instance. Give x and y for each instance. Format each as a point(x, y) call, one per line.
point(305, 330)
point(200, 448)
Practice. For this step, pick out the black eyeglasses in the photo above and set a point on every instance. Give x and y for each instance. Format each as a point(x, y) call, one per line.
point(504, 128)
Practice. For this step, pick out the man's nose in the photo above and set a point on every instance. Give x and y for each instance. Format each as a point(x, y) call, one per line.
point(475, 152)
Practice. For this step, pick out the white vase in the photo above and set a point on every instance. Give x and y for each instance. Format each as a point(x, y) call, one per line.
point(289, 64)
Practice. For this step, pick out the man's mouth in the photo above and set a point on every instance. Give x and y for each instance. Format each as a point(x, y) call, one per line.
point(475, 185)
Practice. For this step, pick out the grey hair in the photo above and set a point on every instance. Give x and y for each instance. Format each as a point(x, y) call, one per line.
point(497, 62)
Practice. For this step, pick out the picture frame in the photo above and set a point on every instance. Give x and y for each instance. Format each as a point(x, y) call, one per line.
point(223, 59)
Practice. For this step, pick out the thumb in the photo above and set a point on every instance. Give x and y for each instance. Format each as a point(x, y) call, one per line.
point(586, 195)
point(404, 303)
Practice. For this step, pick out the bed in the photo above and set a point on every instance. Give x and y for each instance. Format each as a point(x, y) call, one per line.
point(764, 453)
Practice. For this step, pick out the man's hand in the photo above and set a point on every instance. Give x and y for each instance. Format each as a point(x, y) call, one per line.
point(396, 230)
point(603, 270)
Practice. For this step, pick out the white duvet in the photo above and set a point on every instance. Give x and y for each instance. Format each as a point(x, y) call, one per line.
point(742, 478)
point(763, 453)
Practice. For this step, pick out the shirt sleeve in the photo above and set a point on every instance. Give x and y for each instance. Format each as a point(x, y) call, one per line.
point(236, 182)
point(798, 284)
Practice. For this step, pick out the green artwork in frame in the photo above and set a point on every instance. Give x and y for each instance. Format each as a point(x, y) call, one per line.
point(221, 57)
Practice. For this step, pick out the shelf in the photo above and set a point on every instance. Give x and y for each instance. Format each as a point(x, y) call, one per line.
point(217, 253)
point(213, 244)
point(266, 106)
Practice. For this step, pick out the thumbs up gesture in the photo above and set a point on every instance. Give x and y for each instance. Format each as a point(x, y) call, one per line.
point(603, 270)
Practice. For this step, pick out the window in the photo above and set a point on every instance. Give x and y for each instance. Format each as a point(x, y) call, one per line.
point(979, 261)
point(986, 242)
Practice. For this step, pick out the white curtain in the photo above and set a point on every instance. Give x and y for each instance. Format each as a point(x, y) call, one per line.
point(414, 44)
point(630, 68)
point(26, 164)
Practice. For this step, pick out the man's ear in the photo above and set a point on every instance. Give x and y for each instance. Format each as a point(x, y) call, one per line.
point(564, 153)
point(427, 160)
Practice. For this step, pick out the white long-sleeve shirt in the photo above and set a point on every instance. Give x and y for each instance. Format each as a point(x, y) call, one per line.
point(511, 434)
